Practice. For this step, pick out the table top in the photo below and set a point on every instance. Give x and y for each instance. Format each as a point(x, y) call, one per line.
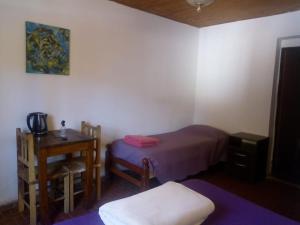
point(53, 138)
point(249, 136)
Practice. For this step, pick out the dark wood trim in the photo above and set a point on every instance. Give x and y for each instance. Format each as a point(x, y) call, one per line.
point(273, 109)
point(111, 167)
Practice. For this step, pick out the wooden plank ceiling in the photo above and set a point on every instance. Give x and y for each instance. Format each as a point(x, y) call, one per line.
point(221, 11)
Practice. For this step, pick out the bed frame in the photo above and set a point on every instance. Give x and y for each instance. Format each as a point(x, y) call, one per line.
point(111, 167)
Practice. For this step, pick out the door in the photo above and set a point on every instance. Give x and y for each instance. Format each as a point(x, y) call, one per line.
point(286, 158)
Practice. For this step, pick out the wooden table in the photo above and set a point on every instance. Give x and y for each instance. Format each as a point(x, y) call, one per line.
point(53, 145)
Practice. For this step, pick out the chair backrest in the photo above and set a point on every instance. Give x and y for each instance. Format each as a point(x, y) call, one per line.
point(95, 132)
point(25, 155)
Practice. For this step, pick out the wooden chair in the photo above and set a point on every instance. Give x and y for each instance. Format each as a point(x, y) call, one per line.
point(28, 177)
point(77, 164)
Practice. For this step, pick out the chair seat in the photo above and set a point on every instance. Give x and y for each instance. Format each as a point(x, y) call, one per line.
point(54, 170)
point(77, 165)
point(57, 169)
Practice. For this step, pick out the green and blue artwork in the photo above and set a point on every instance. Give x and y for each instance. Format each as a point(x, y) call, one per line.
point(47, 49)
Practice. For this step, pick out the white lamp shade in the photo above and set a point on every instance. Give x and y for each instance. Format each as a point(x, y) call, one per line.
point(200, 3)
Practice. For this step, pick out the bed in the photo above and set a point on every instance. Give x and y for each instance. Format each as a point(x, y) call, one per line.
point(229, 209)
point(178, 155)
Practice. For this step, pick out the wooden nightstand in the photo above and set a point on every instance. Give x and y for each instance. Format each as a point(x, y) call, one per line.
point(247, 156)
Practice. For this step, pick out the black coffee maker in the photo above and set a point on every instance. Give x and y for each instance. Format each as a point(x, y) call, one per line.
point(37, 123)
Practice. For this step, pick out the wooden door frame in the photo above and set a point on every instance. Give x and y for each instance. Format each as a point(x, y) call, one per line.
point(291, 41)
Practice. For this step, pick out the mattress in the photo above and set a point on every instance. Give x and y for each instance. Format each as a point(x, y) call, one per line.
point(179, 154)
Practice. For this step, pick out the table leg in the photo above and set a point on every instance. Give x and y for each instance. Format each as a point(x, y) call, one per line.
point(89, 175)
point(44, 209)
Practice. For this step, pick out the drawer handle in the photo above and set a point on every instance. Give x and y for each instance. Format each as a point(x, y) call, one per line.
point(240, 154)
point(248, 142)
point(240, 165)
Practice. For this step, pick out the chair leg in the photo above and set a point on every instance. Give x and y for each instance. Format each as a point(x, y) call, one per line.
point(20, 195)
point(32, 204)
point(71, 191)
point(98, 183)
point(67, 194)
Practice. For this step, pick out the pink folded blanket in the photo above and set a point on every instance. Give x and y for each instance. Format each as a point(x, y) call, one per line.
point(140, 141)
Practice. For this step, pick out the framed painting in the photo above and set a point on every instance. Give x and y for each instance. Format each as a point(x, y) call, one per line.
point(47, 49)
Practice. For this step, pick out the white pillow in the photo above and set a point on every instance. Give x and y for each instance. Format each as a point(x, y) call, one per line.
point(169, 204)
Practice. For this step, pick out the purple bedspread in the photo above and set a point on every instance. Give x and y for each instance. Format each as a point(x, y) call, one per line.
point(179, 154)
point(233, 210)
point(230, 210)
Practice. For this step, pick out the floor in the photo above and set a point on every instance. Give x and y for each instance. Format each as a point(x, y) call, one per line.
point(271, 194)
point(279, 197)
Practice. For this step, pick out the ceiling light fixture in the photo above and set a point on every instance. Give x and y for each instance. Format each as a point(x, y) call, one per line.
point(200, 3)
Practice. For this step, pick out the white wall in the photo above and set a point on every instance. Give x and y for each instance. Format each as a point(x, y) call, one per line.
point(236, 69)
point(131, 72)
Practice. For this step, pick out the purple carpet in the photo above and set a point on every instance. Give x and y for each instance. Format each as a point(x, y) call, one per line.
point(230, 210)
point(88, 219)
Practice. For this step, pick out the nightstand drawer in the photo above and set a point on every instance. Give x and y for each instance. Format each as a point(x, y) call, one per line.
point(246, 148)
point(249, 147)
point(239, 170)
point(240, 155)
point(240, 165)
point(239, 158)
